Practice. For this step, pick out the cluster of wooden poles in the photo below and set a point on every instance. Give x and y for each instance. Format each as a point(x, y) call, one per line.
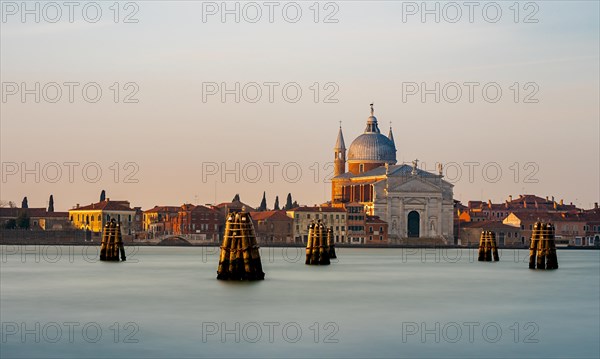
point(320, 245)
point(240, 258)
point(488, 247)
point(542, 250)
point(112, 243)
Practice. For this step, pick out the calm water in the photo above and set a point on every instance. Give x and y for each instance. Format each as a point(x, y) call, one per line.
point(166, 302)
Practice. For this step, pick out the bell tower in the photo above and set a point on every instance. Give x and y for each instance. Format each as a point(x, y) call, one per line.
point(339, 162)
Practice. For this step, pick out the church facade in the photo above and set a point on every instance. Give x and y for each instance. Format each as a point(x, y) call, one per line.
point(416, 204)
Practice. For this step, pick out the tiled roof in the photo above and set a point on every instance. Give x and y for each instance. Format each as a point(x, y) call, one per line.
point(234, 205)
point(163, 209)
point(318, 209)
point(271, 215)
point(201, 208)
point(32, 212)
point(550, 216)
point(375, 219)
point(488, 225)
point(106, 205)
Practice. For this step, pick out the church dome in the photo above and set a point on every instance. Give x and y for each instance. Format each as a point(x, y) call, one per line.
point(372, 146)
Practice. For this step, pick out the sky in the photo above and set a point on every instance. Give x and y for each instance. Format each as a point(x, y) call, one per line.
point(164, 103)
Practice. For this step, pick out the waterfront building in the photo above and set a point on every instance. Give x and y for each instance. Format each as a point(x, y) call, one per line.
point(272, 227)
point(330, 216)
point(39, 218)
point(376, 231)
point(417, 205)
point(93, 217)
point(158, 220)
point(506, 235)
point(202, 222)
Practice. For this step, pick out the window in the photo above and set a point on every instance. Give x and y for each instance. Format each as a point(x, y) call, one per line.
point(343, 228)
point(308, 216)
point(361, 168)
point(380, 238)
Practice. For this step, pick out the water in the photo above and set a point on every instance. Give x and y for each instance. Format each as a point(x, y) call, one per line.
point(408, 303)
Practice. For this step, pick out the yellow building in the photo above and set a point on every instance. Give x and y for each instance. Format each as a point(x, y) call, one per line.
point(330, 216)
point(94, 216)
point(158, 219)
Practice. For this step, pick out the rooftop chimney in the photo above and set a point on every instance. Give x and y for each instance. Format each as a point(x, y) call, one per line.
point(510, 197)
point(77, 205)
point(561, 202)
point(596, 205)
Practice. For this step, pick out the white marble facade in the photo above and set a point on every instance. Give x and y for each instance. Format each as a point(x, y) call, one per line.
point(401, 192)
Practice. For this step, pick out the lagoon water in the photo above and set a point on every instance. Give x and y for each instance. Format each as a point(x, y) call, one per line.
point(402, 303)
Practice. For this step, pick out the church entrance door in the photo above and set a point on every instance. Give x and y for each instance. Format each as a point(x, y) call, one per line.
point(413, 224)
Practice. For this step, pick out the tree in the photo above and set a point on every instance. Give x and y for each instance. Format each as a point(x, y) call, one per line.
point(288, 203)
point(102, 195)
point(295, 204)
point(12, 204)
point(276, 205)
point(23, 220)
point(263, 203)
point(51, 204)
point(10, 224)
point(24, 203)
point(236, 198)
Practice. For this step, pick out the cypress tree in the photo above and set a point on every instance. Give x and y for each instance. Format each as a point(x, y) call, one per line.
point(263, 203)
point(288, 203)
point(102, 195)
point(276, 206)
point(51, 204)
point(24, 203)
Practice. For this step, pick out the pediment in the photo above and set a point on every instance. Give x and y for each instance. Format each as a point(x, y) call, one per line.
point(416, 185)
point(415, 201)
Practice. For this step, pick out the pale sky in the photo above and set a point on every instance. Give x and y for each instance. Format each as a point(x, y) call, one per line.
point(373, 53)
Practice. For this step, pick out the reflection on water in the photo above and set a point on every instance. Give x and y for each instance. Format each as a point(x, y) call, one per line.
point(166, 302)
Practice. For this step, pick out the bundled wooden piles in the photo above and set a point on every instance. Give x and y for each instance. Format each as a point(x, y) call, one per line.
point(542, 250)
point(317, 246)
point(487, 247)
point(240, 258)
point(331, 243)
point(112, 243)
